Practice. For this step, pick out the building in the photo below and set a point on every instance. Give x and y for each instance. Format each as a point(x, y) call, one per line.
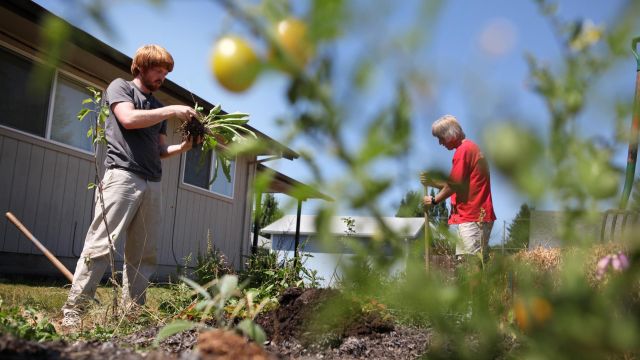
point(612, 225)
point(47, 162)
point(327, 259)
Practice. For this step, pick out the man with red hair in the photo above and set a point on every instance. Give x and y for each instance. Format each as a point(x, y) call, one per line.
point(136, 134)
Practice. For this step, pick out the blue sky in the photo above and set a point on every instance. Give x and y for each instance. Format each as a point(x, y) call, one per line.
point(469, 75)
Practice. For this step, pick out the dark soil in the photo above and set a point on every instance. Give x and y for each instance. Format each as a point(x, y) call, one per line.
point(193, 128)
point(13, 348)
point(321, 323)
point(312, 323)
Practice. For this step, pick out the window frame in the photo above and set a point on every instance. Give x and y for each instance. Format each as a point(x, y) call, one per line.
point(209, 192)
point(52, 101)
point(52, 94)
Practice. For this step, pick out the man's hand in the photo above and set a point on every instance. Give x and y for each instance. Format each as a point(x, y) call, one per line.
point(424, 178)
point(188, 144)
point(428, 200)
point(183, 112)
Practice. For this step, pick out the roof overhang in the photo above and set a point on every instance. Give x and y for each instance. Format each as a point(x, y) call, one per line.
point(283, 184)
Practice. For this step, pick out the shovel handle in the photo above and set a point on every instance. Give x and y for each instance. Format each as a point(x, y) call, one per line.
point(60, 266)
point(427, 235)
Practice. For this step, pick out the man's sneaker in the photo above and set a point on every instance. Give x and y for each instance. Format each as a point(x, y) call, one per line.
point(71, 321)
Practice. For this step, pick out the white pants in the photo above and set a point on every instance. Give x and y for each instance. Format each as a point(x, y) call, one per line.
point(133, 205)
point(474, 237)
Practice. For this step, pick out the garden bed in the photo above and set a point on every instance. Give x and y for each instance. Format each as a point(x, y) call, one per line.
point(366, 335)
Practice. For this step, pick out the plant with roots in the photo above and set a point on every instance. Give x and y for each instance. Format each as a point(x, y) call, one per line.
point(214, 128)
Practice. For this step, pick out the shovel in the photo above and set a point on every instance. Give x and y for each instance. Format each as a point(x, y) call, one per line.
point(60, 266)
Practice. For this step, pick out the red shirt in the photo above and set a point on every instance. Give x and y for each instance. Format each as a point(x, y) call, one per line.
point(472, 200)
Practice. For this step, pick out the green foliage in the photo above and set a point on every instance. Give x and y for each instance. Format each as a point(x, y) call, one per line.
point(176, 300)
point(211, 265)
point(211, 305)
point(270, 276)
point(99, 112)
point(518, 230)
point(269, 210)
point(411, 206)
point(26, 324)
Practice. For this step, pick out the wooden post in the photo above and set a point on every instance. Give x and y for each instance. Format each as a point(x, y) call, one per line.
point(297, 237)
point(257, 214)
point(427, 234)
point(60, 266)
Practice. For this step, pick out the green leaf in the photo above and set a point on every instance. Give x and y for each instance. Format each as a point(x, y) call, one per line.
point(216, 109)
point(90, 132)
point(235, 115)
point(87, 101)
point(172, 329)
point(82, 113)
point(253, 331)
point(209, 144)
point(195, 286)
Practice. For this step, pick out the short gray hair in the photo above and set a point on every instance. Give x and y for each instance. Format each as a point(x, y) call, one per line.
point(447, 128)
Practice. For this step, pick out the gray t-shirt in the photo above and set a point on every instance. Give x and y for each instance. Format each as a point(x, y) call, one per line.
point(136, 150)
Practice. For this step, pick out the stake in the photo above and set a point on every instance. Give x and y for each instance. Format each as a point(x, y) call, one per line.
point(60, 266)
point(426, 232)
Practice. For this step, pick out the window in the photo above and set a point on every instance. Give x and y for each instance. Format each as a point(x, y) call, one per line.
point(199, 173)
point(24, 93)
point(65, 127)
point(41, 101)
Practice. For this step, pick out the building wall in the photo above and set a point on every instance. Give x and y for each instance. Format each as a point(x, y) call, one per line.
point(546, 226)
point(44, 183)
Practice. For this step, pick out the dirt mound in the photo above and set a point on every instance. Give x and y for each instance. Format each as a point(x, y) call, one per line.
point(321, 316)
point(227, 345)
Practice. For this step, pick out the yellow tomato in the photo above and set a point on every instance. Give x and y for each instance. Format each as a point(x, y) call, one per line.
point(533, 313)
point(293, 37)
point(234, 63)
point(521, 315)
point(541, 310)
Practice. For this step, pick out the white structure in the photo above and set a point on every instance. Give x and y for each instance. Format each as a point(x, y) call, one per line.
point(327, 258)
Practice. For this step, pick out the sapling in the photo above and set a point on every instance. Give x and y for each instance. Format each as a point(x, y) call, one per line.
point(214, 298)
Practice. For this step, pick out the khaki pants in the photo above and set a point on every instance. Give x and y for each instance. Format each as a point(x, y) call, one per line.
point(133, 205)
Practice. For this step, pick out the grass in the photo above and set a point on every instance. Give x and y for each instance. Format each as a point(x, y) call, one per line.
point(47, 299)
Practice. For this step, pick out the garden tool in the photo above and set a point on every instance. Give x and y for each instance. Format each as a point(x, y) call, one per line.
point(427, 242)
point(60, 266)
point(615, 221)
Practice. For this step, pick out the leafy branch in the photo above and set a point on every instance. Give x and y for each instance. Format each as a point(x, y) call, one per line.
point(96, 106)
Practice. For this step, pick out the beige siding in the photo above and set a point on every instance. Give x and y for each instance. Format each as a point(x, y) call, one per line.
point(45, 186)
point(46, 189)
point(200, 213)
